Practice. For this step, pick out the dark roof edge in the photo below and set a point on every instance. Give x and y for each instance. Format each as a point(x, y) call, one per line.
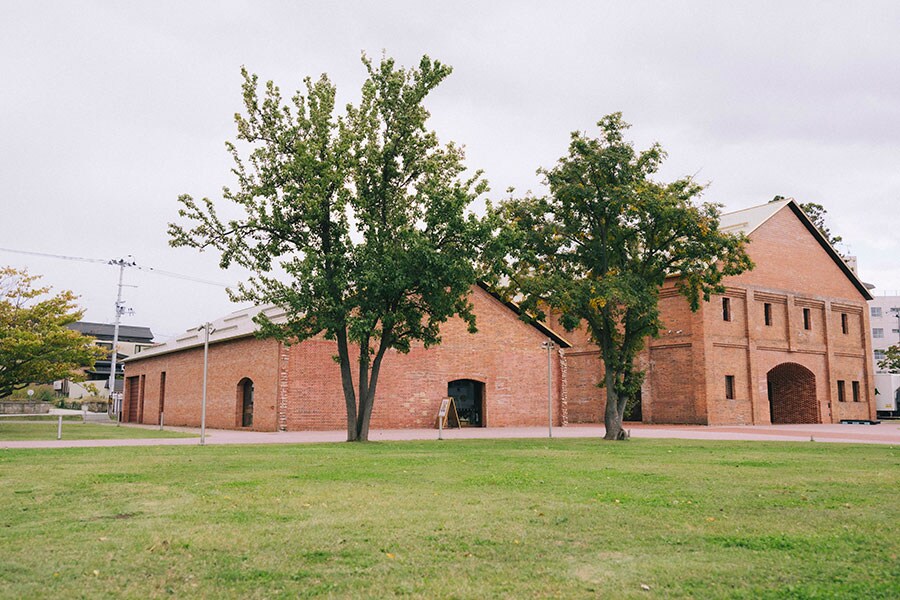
point(563, 343)
point(860, 286)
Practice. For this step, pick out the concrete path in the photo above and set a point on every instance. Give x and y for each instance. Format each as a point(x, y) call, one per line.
point(888, 432)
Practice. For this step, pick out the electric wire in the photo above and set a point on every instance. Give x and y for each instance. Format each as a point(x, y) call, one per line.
point(162, 272)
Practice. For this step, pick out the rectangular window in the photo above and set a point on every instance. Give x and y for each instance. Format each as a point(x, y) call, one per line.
point(807, 322)
point(729, 387)
point(162, 392)
point(855, 388)
point(876, 311)
point(877, 332)
point(767, 312)
point(879, 355)
point(726, 309)
point(845, 326)
point(842, 396)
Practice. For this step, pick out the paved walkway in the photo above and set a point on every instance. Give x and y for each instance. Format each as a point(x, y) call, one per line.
point(888, 432)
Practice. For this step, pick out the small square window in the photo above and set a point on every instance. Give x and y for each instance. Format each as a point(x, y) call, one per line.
point(877, 332)
point(842, 395)
point(729, 387)
point(807, 319)
point(879, 354)
point(855, 389)
point(726, 309)
point(845, 325)
point(876, 311)
point(767, 313)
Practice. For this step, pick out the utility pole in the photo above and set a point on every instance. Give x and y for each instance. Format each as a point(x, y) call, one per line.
point(120, 310)
point(549, 346)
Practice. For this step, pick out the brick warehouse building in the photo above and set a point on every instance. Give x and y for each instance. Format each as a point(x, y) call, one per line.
point(787, 343)
point(498, 377)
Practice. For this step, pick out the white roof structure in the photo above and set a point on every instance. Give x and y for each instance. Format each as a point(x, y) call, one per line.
point(232, 326)
point(748, 220)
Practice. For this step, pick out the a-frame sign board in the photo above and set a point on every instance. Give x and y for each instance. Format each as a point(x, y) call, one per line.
point(447, 415)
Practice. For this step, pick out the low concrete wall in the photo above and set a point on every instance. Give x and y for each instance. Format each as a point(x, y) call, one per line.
point(24, 408)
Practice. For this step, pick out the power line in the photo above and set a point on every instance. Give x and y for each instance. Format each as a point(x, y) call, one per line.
point(117, 263)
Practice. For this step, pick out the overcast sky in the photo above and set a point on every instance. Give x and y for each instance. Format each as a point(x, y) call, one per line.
point(110, 110)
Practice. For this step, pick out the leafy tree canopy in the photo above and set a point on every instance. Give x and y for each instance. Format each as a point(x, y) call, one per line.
point(357, 225)
point(35, 344)
point(598, 248)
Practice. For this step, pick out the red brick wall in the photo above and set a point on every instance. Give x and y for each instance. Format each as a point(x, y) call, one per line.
point(787, 257)
point(505, 355)
point(229, 363)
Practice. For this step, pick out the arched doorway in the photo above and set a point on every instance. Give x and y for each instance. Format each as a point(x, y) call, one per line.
point(468, 395)
point(792, 394)
point(245, 402)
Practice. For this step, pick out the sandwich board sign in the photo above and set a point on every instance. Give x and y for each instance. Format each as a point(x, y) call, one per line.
point(447, 415)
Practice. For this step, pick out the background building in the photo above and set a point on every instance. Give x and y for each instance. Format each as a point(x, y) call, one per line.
point(884, 314)
point(132, 340)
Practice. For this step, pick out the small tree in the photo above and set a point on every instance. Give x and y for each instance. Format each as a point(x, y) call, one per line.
point(891, 360)
point(35, 344)
point(366, 214)
point(599, 247)
point(816, 214)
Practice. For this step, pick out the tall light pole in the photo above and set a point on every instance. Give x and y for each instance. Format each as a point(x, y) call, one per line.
point(207, 328)
point(549, 346)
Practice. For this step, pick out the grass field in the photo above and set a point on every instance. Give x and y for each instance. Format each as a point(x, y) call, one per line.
point(21, 430)
point(467, 519)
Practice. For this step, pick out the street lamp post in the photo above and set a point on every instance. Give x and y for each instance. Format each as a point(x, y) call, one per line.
point(207, 328)
point(549, 346)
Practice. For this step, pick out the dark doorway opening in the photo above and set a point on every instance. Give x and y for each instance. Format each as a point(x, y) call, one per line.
point(245, 394)
point(468, 395)
point(792, 394)
point(634, 409)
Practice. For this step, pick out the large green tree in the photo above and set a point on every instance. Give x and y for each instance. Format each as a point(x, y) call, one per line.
point(35, 344)
point(357, 225)
point(597, 249)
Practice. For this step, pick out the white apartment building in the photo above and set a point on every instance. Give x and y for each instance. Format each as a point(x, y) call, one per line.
point(885, 322)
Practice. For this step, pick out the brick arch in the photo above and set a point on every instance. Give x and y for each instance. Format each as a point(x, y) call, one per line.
point(792, 394)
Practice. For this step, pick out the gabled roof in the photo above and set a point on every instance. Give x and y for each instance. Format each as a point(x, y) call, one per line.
point(750, 219)
point(234, 325)
point(105, 331)
point(240, 324)
point(563, 342)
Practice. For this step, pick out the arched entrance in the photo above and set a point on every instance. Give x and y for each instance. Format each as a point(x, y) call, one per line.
point(792, 394)
point(245, 402)
point(468, 395)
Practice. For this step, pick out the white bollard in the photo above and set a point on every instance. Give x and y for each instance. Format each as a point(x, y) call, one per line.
point(59, 429)
point(161, 419)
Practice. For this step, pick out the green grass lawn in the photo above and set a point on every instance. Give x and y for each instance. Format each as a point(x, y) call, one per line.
point(461, 519)
point(11, 431)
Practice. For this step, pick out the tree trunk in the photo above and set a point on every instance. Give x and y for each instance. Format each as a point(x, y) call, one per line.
point(612, 417)
point(367, 402)
point(347, 383)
